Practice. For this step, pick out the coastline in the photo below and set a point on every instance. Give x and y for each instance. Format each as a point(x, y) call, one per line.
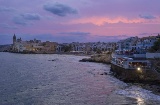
point(67, 53)
point(85, 55)
point(151, 86)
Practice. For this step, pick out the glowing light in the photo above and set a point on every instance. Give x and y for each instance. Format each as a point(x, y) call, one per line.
point(138, 68)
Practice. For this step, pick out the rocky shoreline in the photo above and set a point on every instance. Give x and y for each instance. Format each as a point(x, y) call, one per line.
point(99, 58)
point(154, 88)
point(153, 85)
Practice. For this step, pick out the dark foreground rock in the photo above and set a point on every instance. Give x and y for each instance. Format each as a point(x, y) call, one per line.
point(156, 64)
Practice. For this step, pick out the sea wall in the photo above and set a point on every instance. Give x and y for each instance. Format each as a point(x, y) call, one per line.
point(127, 75)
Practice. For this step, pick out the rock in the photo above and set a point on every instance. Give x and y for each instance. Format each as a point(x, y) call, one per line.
point(35, 88)
point(85, 60)
point(105, 73)
point(52, 60)
point(100, 58)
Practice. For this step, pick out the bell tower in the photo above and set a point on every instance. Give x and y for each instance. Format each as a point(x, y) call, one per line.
point(14, 39)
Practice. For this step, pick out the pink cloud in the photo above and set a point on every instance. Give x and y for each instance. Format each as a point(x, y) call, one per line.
point(99, 21)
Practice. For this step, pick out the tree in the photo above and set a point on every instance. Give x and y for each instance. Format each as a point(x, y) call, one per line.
point(156, 46)
point(67, 48)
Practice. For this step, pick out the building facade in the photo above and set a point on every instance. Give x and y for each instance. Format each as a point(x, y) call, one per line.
point(33, 46)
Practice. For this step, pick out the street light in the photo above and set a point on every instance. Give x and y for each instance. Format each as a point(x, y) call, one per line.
point(138, 68)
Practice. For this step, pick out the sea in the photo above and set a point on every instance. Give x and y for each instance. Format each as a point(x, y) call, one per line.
point(51, 79)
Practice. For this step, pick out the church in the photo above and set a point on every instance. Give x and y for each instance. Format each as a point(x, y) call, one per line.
point(32, 46)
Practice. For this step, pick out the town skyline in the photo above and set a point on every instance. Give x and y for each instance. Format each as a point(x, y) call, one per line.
point(134, 44)
point(66, 21)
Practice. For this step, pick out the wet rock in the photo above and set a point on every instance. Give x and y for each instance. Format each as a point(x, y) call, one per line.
point(53, 60)
point(86, 60)
point(105, 73)
point(36, 88)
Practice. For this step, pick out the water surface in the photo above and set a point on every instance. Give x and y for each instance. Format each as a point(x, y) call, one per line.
point(27, 79)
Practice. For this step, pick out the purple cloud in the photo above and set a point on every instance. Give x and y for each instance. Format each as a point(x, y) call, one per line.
point(19, 20)
point(147, 16)
point(76, 33)
point(59, 9)
point(23, 19)
point(6, 9)
point(7, 26)
point(31, 16)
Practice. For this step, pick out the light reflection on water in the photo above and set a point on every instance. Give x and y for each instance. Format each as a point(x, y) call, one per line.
point(140, 101)
point(142, 96)
point(36, 79)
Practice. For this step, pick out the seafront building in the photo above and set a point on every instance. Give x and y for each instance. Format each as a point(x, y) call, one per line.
point(96, 46)
point(136, 45)
point(37, 46)
point(33, 46)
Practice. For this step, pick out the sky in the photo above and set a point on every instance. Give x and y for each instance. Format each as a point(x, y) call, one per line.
point(66, 21)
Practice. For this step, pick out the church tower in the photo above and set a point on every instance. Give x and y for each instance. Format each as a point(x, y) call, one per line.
point(14, 43)
point(14, 39)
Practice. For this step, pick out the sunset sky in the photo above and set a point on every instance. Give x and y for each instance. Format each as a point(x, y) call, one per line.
point(78, 20)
